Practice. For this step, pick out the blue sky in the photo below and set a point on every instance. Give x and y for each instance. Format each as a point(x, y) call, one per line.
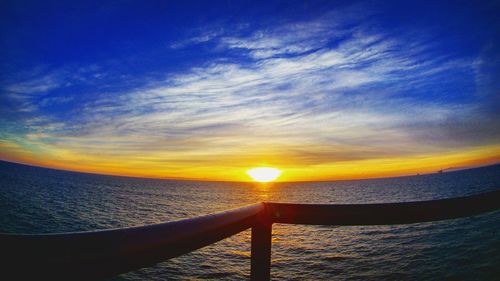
point(181, 84)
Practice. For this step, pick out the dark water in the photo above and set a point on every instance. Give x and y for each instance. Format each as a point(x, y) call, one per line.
point(37, 200)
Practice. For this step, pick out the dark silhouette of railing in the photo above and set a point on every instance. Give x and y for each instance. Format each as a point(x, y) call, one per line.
point(103, 254)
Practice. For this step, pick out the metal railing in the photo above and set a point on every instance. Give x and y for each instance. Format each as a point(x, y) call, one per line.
point(103, 254)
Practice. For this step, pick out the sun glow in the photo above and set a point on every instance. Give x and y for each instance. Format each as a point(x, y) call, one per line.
point(264, 174)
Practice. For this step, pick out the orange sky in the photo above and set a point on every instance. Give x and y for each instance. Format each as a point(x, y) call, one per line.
point(320, 91)
point(233, 168)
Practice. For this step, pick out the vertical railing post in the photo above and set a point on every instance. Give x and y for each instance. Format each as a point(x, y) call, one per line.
point(261, 251)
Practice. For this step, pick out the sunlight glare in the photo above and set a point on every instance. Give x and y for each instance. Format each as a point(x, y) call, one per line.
point(264, 174)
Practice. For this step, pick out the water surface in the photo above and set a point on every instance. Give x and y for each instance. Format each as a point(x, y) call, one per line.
point(39, 200)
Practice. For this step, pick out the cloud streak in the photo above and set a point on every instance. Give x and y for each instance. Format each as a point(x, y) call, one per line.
point(308, 94)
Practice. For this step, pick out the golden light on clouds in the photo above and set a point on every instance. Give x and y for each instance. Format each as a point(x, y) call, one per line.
point(232, 168)
point(314, 104)
point(264, 174)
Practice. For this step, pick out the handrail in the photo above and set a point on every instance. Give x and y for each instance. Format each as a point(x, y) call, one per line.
point(102, 254)
point(384, 213)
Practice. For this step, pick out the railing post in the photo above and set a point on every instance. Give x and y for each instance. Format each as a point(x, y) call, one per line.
point(261, 251)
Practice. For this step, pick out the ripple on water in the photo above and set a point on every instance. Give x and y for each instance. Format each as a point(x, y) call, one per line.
point(35, 200)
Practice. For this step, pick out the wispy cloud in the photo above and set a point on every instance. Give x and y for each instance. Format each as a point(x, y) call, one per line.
point(314, 93)
point(202, 38)
point(37, 85)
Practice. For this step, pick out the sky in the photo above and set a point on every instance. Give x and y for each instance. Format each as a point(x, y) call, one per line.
point(322, 90)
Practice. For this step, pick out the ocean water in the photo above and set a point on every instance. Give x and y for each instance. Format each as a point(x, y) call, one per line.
point(38, 200)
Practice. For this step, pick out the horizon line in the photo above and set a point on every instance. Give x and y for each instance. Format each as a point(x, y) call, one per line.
point(444, 170)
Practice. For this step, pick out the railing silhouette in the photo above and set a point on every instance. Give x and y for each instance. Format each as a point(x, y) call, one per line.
point(103, 254)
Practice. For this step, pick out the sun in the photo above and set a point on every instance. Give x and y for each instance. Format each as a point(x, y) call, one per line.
point(264, 174)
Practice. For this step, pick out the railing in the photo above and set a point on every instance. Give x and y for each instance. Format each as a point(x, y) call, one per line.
point(103, 254)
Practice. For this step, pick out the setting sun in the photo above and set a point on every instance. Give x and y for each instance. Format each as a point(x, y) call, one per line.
point(264, 174)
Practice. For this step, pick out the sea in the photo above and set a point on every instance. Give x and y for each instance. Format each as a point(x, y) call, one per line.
point(40, 200)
